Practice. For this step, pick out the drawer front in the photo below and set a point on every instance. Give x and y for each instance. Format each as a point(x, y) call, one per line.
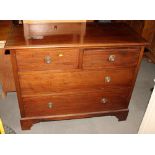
point(74, 103)
point(54, 29)
point(110, 58)
point(46, 82)
point(47, 59)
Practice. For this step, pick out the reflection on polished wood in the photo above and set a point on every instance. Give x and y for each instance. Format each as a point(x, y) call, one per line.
point(96, 35)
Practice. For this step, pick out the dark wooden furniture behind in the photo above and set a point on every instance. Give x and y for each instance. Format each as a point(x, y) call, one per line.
point(146, 28)
point(75, 75)
point(6, 73)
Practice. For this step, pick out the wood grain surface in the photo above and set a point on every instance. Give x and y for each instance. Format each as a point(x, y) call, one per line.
point(80, 80)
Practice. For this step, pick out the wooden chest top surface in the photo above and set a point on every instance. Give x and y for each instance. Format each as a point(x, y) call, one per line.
point(94, 35)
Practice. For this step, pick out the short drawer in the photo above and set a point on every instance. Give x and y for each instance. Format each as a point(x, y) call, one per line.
point(74, 103)
point(54, 29)
point(47, 59)
point(47, 82)
point(110, 58)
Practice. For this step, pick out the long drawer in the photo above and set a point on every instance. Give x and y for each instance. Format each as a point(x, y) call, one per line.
point(47, 82)
point(106, 58)
point(75, 103)
point(46, 59)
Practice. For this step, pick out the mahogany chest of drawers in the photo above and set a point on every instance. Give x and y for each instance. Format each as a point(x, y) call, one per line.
point(75, 76)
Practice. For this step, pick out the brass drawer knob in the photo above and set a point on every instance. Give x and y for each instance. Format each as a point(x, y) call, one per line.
point(107, 79)
point(50, 105)
point(60, 55)
point(48, 59)
point(55, 27)
point(112, 58)
point(104, 100)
